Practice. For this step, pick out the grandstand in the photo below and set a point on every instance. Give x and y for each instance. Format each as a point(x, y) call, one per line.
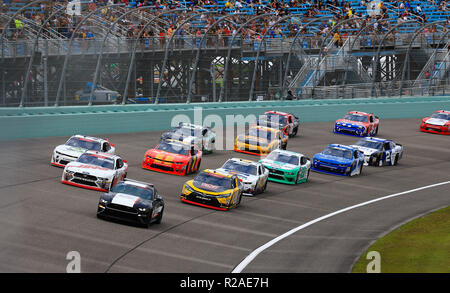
point(211, 50)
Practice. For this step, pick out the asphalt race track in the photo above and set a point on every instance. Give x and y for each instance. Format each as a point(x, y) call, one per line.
point(41, 219)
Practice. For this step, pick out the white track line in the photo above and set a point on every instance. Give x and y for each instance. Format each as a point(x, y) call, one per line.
point(241, 266)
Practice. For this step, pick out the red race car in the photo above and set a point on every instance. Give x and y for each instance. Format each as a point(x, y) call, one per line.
point(173, 157)
point(438, 122)
point(286, 122)
point(357, 124)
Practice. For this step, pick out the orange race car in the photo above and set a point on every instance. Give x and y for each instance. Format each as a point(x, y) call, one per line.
point(260, 141)
point(173, 157)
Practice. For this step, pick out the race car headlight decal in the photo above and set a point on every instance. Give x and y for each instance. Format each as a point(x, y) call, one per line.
point(187, 189)
point(224, 195)
point(348, 169)
point(143, 210)
point(103, 201)
point(68, 175)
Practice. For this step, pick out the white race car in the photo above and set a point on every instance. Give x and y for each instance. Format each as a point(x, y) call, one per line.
point(95, 170)
point(203, 138)
point(253, 175)
point(379, 152)
point(76, 146)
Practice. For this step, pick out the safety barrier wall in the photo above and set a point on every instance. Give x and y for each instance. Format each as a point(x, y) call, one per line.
point(17, 123)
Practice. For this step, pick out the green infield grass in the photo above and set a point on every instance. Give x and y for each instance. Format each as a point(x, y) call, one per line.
point(420, 246)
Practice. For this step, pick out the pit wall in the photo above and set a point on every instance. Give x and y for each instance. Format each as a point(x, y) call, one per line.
point(19, 123)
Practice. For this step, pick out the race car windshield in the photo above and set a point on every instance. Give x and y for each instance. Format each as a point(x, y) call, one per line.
point(370, 144)
point(144, 193)
point(100, 161)
point(338, 152)
point(213, 181)
point(84, 143)
point(283, 158)
point(272, 118)
point(444, 116)
point(357, 118)
point(269, 135)
point(241, 168)
point(280, 119)
point(173, 148)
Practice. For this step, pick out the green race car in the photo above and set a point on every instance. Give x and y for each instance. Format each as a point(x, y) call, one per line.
point(287, 167)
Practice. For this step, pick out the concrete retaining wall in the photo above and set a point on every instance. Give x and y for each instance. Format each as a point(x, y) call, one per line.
point(16, 123)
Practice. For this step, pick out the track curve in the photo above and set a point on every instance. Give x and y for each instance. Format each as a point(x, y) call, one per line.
point(42, 219)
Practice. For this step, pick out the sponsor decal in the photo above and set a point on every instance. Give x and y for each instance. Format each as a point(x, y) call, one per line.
point(90, 167)
point(125, 200)
point(209, 186)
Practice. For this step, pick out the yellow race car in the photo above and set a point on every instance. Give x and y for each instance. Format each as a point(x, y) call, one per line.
point(213, 189)
point(261, 140)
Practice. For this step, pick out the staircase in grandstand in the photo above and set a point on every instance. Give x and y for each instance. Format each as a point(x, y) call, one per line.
point(437, 66)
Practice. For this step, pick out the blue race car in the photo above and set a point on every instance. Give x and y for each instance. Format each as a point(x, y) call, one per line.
point(339, 159)
point(357, 124)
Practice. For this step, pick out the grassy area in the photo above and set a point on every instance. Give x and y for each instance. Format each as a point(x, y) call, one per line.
point(420, 246)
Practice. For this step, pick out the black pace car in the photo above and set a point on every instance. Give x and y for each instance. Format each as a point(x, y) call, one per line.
point(132, 201)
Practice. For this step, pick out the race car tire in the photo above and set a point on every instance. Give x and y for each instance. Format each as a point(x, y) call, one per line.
point(376, 131)
point(396, 160)
point(379, 162)
point(349, 173)
point(198, 165)
point(264, 187)
point(284, 146)
point(112, 183)
point(307, 174)
point(298, 177)
point(159, 219)
point(360, 169)
point(294, 133)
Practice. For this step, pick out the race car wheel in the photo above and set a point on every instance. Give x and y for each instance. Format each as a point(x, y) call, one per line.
point(380, 162)
point(376, 131)
point(360, 169)
point(283, 146)
point(294, 133)
point(307, 175)
point(264, 187)
point(298, 177)
point(198, 165)
point(112, 183)
point(396, 160)
point(351, 169)
point(159, 219)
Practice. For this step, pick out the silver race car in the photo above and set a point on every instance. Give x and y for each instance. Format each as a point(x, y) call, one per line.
point(253, 175)
point(76, 146)
point(95, 170)
point(203, 138)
